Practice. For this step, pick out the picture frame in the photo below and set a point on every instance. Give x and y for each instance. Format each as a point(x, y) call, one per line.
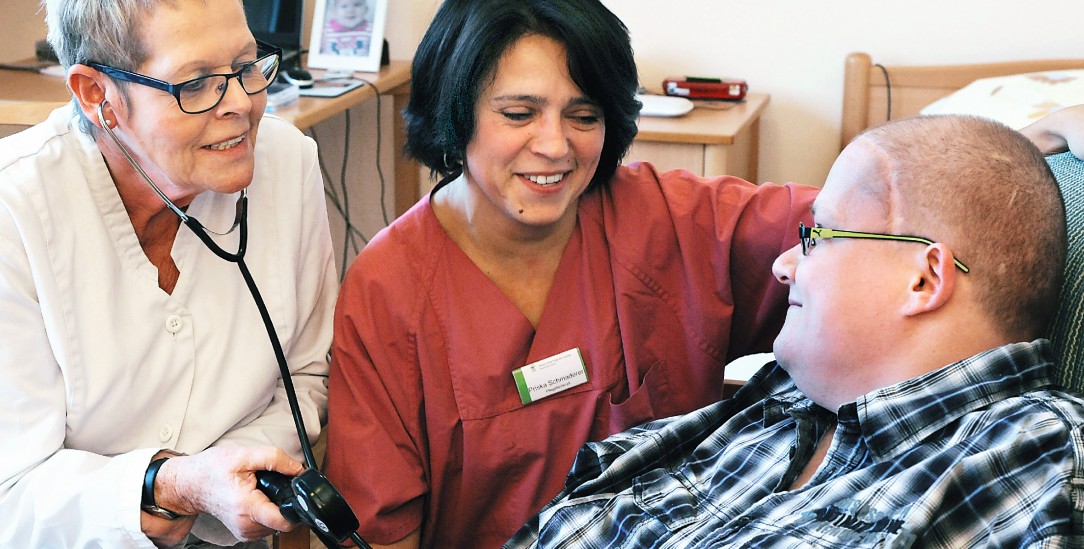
point(347, 35)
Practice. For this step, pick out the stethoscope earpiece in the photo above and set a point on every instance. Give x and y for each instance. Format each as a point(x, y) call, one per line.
point(101, 115)
point(105, 122)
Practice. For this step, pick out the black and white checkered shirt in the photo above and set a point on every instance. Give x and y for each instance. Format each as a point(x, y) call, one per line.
point(986, 452)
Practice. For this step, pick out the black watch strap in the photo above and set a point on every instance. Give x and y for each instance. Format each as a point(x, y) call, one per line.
point(148, 503)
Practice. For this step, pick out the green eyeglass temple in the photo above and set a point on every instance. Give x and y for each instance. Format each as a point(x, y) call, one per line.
point(809, 236)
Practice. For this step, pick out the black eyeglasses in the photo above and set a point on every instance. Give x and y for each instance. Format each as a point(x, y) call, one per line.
point(809, 236)
point(202, 94)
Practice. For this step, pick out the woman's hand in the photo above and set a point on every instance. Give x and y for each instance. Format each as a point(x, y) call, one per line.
point(221, 481)
point(1059, 131)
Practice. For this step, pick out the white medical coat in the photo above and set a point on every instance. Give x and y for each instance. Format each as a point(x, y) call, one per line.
point(100, 368)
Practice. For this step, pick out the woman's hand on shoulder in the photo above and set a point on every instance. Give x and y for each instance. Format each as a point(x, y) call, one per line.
point(1059, 131)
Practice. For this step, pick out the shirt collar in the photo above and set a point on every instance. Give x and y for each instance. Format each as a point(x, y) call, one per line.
point(895, 418)
point(784, 400)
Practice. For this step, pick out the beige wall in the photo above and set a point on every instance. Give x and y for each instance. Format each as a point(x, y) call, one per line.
point(794, 50)
point(22, 26)
point(791, 49)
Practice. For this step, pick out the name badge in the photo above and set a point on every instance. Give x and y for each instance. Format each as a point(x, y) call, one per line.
point(550, 375)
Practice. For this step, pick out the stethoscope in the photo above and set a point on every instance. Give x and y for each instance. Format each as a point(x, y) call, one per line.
point(315, 479)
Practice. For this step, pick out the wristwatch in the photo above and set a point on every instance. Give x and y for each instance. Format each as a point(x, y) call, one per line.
point(148, 504)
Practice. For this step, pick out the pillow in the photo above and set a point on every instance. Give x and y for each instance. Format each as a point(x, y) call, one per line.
point(1016, 100)
point(1066, 331)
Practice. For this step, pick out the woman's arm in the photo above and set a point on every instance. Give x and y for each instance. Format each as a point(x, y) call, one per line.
point(1059, 131)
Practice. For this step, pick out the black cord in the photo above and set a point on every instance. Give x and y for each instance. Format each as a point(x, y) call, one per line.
point(288, 384)
point(346, 194)
point(238, 257)
point(379, 169)
point(888, 91)
point(351, 230)
point(284, 370)
point(343, 207)
point(27, 68)
point(342, 203)
point(276, 345)
point(358, 541)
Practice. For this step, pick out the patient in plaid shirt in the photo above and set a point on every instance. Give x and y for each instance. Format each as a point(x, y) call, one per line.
point(913, 401)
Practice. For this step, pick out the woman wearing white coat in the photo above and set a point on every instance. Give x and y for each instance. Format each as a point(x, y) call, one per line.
point(124, 339)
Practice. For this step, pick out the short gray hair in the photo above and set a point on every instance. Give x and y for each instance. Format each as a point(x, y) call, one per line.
point(103, 31)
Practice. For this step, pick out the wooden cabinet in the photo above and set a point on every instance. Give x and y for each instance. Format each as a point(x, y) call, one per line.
point(715, 139)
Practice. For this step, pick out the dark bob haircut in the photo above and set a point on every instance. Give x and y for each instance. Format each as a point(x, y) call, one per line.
point(458, 56)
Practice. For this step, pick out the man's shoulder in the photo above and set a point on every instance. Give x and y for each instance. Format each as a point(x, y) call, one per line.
point(1061, 404)
point(1050, 418)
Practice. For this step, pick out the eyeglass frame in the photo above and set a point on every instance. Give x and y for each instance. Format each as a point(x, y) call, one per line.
point(175, 89)
point(808, 236)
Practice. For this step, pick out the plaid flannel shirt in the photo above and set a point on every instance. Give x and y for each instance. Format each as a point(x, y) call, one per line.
point(983, 452)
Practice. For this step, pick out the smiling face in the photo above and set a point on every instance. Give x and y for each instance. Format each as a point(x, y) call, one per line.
point(186, 154)
point(845, 294)
point(538, 137)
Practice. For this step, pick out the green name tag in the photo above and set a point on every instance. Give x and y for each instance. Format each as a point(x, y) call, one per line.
point(550, 376)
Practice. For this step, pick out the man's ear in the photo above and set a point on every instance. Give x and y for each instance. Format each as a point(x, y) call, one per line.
point(88, 86)
point(933, 282)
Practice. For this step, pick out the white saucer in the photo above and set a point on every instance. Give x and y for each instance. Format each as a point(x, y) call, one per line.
point(663, 105)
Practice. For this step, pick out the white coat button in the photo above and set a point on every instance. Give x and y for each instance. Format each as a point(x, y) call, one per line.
point(165, 433)
point(174, 324)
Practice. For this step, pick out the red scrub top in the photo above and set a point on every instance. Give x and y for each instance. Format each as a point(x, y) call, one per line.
point(665, 279)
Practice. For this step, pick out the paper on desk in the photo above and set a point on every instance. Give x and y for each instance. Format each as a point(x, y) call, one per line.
point(331, 88)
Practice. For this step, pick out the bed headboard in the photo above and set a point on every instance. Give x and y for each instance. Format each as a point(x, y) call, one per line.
point(866, 87)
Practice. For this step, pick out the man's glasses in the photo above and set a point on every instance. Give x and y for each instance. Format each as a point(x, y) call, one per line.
point(809, 236)
point(202, 94)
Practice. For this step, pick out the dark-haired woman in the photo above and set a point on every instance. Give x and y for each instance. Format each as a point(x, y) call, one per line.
point(542, 295)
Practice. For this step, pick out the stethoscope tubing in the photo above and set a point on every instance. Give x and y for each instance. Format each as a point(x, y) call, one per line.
point(239, 258)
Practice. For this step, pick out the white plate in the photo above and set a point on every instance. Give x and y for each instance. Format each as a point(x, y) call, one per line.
point(663, 105)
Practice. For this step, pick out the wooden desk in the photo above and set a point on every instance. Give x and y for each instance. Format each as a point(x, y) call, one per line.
point(707, 141)
point(393, 80)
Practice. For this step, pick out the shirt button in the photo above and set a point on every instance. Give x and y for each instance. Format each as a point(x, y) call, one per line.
point(174, 323)
point(165, 433)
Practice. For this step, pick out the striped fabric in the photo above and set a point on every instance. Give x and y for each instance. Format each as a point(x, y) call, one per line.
point(958, 457)
point(1067, 327)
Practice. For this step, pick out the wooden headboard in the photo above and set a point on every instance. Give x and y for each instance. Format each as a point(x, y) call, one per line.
point(865, 92)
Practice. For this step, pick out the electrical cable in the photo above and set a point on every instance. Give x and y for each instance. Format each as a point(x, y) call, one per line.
point(888, 91)
point(345, 191)
point(341, 203)
point(379, 139)
point(351, 231)
point(28, 68)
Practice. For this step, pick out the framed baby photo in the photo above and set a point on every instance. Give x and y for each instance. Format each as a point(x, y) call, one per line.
point(347, 35)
